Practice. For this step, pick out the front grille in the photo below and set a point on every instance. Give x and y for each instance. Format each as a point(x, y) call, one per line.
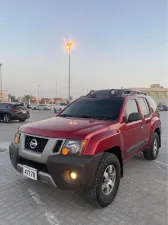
point(58, 146)
point(39, 166)
point(41, 143)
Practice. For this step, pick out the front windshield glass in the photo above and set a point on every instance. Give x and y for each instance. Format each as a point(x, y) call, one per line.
point(103, 109)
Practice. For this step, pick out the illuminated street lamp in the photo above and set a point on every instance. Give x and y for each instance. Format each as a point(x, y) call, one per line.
point(68, 47)
point(1, 79)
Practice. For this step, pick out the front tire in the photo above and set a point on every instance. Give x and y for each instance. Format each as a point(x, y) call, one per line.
point(106, 182)
point(153, 151)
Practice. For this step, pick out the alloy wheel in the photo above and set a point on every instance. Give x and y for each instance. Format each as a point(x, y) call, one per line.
point(109, 179)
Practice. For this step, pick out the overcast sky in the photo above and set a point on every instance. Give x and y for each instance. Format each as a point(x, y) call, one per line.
point(118, 43)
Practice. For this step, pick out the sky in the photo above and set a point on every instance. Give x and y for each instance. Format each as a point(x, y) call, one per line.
point(118, 43)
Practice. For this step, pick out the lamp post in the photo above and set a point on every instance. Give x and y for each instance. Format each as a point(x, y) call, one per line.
point(38, 92)
point(68, 46)
point(1, 79)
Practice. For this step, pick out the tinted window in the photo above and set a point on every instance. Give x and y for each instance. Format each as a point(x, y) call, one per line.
point(131, 107)
point(63, 104)
point(18, 107)
point(144, 107)
point(3, 106)
point(153, 104)
point(98, 108)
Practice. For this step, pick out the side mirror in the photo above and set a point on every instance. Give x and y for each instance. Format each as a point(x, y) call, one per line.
point(134, 117)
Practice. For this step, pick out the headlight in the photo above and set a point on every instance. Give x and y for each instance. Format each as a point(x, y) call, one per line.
point(73, 147)
point(17, 137)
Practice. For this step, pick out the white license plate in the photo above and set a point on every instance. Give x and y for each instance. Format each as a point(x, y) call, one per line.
point(24, 112)
point(30, 172)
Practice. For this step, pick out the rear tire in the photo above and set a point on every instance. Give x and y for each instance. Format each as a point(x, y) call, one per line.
point(153, 151)
point(106, 184)
point(6, 118)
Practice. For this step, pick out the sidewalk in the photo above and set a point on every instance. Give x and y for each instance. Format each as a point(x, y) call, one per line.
point(141, 200)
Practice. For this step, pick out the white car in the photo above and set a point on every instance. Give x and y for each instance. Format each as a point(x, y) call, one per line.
point(33, 107)
point(43, 107)
point(59, 106)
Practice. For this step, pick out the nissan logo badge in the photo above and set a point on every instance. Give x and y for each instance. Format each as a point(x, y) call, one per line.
point(33, 144)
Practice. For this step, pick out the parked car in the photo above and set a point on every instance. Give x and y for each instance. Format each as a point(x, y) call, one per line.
point(165, 108)
point(33, 106)
point(43, 107)
point(86, 145)
point(13, 111)
point(162, 108)
point(59, 106)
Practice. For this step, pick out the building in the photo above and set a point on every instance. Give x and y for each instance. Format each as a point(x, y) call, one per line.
point(159, 93)
point(5, 96)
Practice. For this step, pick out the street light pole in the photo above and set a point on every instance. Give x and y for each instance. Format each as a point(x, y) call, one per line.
point(68, 46)
point(1, 79)
point(38, 93)
point(56, 89)
point(69, 89)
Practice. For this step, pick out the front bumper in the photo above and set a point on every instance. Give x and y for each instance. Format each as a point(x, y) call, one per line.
point(56, 169)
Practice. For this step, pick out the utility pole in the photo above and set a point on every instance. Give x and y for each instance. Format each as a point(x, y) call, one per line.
point(56, 89)
point(1, 79)
point(38, 92)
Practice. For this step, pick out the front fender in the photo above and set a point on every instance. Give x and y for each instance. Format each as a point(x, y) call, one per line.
point(103, 141)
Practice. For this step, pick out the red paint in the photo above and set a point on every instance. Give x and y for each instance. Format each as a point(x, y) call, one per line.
point(101, 135)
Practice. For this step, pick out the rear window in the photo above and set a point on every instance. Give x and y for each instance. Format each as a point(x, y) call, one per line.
point(18, 107)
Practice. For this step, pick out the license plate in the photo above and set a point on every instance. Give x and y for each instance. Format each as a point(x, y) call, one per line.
point(30, 172)
point(24, 112)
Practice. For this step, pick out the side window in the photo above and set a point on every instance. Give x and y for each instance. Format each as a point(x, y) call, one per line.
point(131, 107)
point(153, 104)
point(2, 106)
point(144, 107)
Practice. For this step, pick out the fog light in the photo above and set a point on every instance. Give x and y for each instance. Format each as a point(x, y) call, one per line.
point(73, 175)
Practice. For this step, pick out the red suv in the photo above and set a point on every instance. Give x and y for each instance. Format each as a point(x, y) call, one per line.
point(86, 145)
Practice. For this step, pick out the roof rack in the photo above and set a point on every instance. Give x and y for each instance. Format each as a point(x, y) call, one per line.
point(113, 93)
point(133, 92)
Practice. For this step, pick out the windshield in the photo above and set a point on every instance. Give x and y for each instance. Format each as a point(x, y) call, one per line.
point(103, 109)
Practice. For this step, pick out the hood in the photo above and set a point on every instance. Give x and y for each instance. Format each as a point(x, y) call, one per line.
point(60, 127)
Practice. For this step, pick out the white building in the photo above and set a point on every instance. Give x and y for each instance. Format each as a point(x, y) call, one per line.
point(5, 96)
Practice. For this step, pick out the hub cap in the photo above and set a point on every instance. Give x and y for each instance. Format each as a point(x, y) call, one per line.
point(155, 147)
point(6, 118)
point(109, 179)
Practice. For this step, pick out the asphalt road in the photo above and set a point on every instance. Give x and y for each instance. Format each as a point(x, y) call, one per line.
point(141, 200)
